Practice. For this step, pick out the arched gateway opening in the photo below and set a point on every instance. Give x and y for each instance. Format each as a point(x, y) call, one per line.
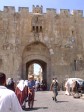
point(43, 66)
point(38, 53)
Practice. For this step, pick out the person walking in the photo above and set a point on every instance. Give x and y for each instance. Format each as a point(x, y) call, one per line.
point(67, 86)
point(10, 84)
point(54, 88)
point(20, 92)
point(31, 91)
point(8, 99)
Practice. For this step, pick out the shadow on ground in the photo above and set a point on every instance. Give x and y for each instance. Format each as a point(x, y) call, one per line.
point(61, 101)
point(35, 108)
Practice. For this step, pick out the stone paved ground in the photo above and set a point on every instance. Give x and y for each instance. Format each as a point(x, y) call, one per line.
point(44, 103)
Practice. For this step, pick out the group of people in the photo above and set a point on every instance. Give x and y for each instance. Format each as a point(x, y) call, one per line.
point(13, 96)
point(40, 86)
point(71, 89)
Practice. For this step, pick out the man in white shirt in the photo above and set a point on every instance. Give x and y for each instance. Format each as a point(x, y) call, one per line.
point(8, 99)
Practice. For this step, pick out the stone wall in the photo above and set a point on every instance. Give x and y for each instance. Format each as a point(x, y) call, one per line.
point(62, 34)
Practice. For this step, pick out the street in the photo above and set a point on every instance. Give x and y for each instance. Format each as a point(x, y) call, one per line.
point(44, 103)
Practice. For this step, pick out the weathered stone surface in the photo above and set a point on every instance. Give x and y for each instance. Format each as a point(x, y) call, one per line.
point(55, 41)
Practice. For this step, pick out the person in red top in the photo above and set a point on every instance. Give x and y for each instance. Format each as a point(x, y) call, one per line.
point(21, 92)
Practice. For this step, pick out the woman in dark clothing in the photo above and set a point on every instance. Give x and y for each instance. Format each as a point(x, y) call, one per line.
point(10, 84)
point(54, 88)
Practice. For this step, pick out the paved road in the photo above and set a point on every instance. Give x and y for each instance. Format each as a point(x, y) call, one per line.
point(44, 103)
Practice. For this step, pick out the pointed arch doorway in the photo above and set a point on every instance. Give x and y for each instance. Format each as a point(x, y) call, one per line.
point(37, 52)
point(43, 66)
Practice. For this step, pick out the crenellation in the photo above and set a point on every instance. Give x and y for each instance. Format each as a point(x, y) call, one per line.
point(50, 10)
point(37, 9)
point(64, 11)
point(20, 9)
point(77, 13)
point(10, 9)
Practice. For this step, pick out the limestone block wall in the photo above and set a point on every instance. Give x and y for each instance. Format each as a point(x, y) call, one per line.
point(62, 34)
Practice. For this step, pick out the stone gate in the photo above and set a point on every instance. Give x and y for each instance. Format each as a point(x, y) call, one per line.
point(53, 40)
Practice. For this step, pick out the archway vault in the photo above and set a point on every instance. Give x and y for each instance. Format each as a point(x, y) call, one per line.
point(36, 53)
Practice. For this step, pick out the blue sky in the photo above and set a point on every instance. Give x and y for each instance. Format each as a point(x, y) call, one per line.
point(57, 4)
point(36, 68)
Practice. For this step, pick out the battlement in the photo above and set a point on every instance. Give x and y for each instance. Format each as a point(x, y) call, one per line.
point(39, 9)
point(20, 9)
point(50, 10)
point(64, 11)
point(10, 9)
point(77, 12)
